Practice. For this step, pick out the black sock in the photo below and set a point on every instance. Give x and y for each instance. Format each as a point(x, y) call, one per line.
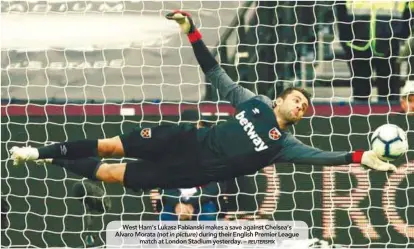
point(70, 150)
point(86, 167)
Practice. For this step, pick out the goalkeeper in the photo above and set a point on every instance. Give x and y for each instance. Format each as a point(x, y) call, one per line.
point(182, 156)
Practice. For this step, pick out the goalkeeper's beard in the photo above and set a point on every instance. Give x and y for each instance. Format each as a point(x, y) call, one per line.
point(288, 117)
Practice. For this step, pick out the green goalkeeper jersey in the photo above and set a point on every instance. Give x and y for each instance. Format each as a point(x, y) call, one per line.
point(252, 138)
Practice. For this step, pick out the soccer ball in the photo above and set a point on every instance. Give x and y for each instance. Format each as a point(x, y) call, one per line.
point(389, 142)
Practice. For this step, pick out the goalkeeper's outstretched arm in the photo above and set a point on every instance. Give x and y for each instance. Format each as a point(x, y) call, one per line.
point(228, 89)
point(294, 151)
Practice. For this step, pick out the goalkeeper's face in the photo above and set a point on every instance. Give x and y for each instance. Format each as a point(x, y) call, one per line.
point(292, 108)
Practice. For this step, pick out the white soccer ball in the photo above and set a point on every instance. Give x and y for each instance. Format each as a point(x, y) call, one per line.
point(389, 142)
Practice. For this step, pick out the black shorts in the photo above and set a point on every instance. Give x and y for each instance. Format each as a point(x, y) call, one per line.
point(171, 157)
point(146, 175)
point(168, 157)
point(161, 143)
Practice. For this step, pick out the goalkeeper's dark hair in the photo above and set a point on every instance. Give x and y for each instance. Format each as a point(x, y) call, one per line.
point(289, 90)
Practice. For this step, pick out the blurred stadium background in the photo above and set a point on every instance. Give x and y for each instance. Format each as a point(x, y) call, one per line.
point(92, 69)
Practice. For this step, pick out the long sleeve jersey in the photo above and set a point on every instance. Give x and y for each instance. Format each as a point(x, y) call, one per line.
point(252, 139)
point(253, 134)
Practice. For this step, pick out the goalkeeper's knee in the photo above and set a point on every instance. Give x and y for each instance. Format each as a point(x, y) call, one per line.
point(111, 172)
point(110, 147)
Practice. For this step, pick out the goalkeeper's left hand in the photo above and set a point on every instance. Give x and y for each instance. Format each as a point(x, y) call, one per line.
point(371, 160)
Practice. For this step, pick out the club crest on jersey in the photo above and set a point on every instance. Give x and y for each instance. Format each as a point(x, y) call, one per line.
point(274, 134)
point(146, 133)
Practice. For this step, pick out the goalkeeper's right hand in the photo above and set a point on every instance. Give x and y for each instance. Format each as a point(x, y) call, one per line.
point(184, 20)
point(370, 159)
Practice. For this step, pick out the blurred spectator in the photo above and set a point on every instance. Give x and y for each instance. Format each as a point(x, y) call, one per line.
point(407, 55)
point(371, 33)
point(407, 98)
point(198, 203)
point(194, 117)
point(186, 204)
point(92, 197)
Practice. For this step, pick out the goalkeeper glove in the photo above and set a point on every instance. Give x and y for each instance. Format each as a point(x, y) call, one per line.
point(186, 24)
point(371, 160)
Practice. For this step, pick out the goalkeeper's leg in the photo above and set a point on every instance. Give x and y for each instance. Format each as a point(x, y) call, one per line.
point(111, 147)
point(151, 144)
point(91, 168)
point(136, 175)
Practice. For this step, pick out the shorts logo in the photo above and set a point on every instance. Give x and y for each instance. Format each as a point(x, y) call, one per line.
point(146, 133)
point(63, 150)
point(274, 134)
